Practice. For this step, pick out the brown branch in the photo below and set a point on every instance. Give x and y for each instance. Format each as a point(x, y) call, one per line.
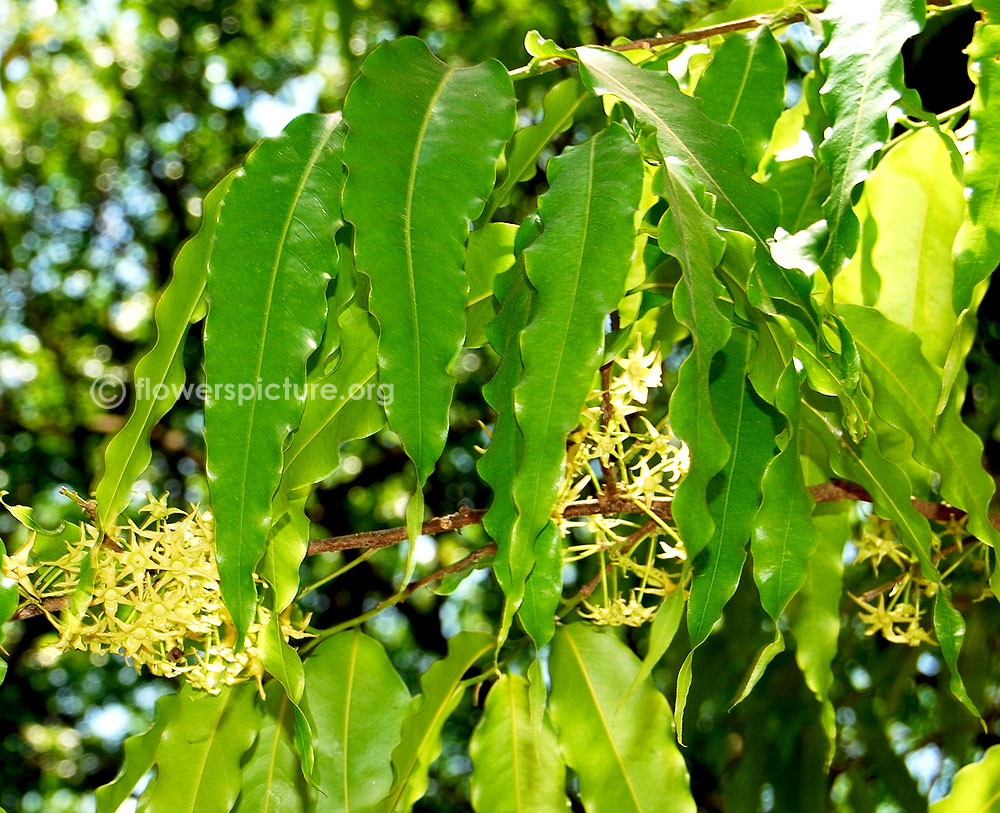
point(832, 491)
point(473, 516)
point(52, 605)
point(648, 43)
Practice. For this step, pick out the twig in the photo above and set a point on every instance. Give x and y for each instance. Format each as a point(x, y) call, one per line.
point(883, 588)
point(469, 562)
point(649, 43)
point(832, 491)
point(473, 516)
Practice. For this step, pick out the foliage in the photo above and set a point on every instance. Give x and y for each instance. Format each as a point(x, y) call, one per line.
point(352, 261)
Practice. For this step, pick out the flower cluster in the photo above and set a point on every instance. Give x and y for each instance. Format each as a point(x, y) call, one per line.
point(898, 612)
point(617, 451)
point(150, 594)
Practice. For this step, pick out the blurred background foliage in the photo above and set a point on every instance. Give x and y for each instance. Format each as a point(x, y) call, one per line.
point(116, 117)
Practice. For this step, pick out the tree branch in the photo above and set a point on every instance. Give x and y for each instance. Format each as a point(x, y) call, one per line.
point(833, 491)
point(649, 43)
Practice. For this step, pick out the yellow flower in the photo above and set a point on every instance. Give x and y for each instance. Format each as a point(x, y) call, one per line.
point(640, 371)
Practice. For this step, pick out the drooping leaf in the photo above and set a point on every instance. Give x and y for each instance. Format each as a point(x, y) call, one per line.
point(283, 661)
point(711, 151)
point(626, 758)
point(357, 701)
point(272, 777)
point(343, 405)
point(661, 635)
point(864, 69)
point(578, 268)
point(734, 493)
point(949, 628)
point(977, 247)
point(267, 307)
point(199, 754)
point(815, 618)
point(515, 769)
point(976, 787)
point(139, 757)
point(907, 391)
point(688, 233)
point(159, 374)
point(558, 107)
point(915, 206)
point(490, 252)
point(744, 86)
point(421, 154)
point(421, 732)
point(758, 666)
point(501, 459)
point(784, 536)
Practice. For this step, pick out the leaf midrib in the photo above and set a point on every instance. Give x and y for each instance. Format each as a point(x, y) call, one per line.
point(603, 720)
point(411, 182)
point(278, 255)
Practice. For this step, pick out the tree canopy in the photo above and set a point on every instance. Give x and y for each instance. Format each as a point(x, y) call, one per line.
point(544, 406)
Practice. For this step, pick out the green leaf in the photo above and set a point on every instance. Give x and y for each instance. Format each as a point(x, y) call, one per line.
point(139, 757)
point(344, 405)
point(421, 154)
point(949, 627)
point(760, 663)
point(691, 235)
point(661, 634)
point(578, 267)
point(267, 308)
point(47, 542)
point(864, 69)
point(558, 107)
point(490, 252)
point(9, 596)
point(421, 732)
point(272, 779)
point(283, 661)
point(514, 767)
point(499, 464)
point(626, 759)
point(734, 493)
point(977, 247)
point(744, 86)
point(199, 754)
point(915, 205)
point(815, 618)
point(357, 701)
point(711, 151)
point(803, 184)
point(907, 391)
point(159, 374)
point(784, 537)
point(976, 787)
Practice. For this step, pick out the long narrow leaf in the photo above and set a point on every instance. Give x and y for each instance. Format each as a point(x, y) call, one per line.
point(267, 307)
point(864, 70)
point(626, 758)
point(160, 373)
point(421, 152)
point(578, 269)
point(515, 769)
